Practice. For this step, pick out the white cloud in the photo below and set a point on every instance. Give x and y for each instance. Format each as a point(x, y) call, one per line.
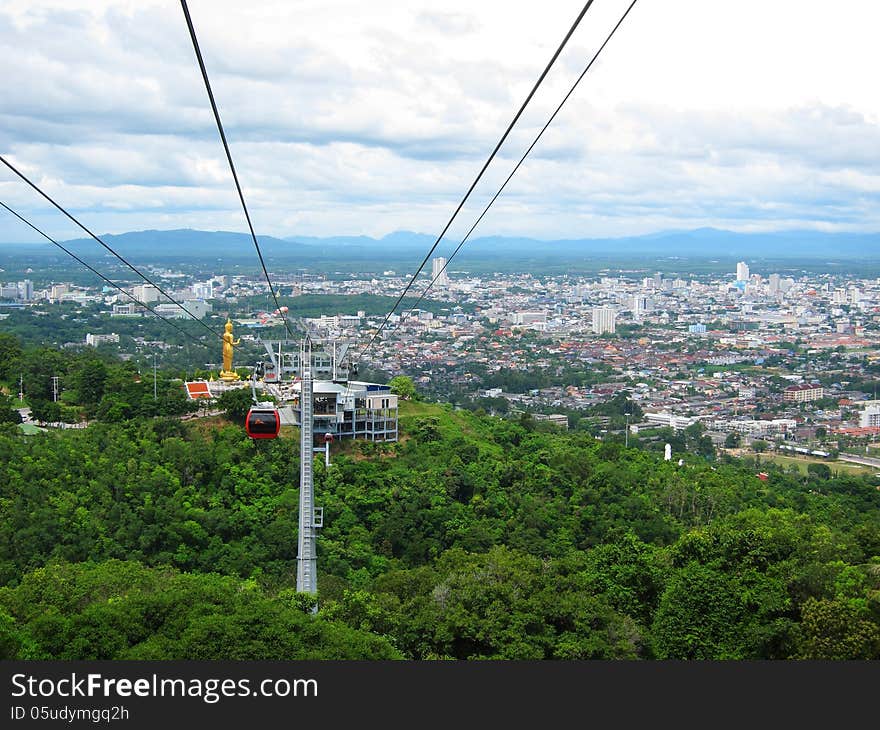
point(349, 117)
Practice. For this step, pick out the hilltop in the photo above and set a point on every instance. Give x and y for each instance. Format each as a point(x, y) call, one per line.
point(474, 537)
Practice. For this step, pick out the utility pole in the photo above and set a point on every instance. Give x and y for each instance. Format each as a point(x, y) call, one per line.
point(21, 388)
point(154, 376)
point(626, 435)
point(54, 388)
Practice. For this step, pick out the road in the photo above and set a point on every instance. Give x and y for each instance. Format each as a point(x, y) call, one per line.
point(863, 460)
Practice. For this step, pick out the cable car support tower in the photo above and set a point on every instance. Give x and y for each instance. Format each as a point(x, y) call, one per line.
point(310, 519)
point(263, 422)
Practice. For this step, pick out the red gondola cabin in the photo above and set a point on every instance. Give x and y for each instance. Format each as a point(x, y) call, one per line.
point(263, 423)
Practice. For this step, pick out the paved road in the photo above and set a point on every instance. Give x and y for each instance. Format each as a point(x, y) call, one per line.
point(863, 460)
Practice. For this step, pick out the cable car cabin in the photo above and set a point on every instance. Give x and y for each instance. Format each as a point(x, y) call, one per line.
point(263, 423)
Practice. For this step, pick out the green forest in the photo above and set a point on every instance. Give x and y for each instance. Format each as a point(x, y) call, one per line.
point(145, 536)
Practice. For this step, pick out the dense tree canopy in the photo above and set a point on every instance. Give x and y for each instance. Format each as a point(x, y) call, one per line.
point(474, 537)
point(90, 385)
point(145, 536)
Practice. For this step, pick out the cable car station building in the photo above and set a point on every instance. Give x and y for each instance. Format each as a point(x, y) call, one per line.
point(341, 407)
point(354, 410)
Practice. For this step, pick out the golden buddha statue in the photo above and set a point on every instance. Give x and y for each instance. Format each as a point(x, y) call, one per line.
point(229, 342)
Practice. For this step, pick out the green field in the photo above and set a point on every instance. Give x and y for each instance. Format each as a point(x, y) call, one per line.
point(418, 408)
point(837, 467)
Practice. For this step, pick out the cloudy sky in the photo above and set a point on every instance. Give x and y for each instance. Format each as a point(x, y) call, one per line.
point(353, 117)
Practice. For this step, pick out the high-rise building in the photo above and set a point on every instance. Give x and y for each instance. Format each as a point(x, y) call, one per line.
point(742, 271)
point(773, 284)
point(870, 417)
point(603, 320)
point(640, 305)
point(146, 293)
point(438, 272)
point(26, 290)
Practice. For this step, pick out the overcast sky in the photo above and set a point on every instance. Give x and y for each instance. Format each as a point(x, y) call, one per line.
point(361, 117)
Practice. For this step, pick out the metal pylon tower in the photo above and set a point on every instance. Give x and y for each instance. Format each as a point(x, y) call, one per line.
point(307, 561)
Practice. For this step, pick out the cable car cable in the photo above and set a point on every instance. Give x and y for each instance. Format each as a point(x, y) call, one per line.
point(531, 147)
point(480, 174)
point(106, 246)
point(99, 274)
point(195, 42)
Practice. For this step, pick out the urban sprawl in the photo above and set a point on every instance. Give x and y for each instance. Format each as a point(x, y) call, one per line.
point(775, 358)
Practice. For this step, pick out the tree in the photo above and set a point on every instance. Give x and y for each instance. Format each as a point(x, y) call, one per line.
point(403, 386)
point(426, 429)
point(697, 616)
point(10, 351)
point(124, 610)
point(38, 367)
point(88, 377)
point(695, 430)
point(704, 446)
point(14, 643)
point(836, 630)
point(45, 411)
point(733, 440)
point(7, 413)
point(114, 409)
point(236, 403)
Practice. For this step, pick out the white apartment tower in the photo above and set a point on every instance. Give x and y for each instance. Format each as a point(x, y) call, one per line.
point(742, 271)
point(438, 271)
point(26, 290)
point(640, 304)
point(870, 417)
point(146, 293)
point(603, 320)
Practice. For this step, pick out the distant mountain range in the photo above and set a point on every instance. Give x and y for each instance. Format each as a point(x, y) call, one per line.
point(702, 242)
point(406, 245)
